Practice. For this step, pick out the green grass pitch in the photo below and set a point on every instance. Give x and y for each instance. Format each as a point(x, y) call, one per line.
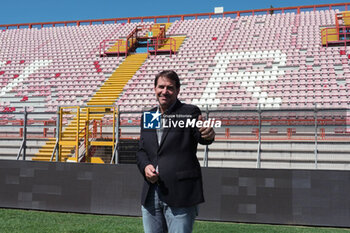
point(13, 221)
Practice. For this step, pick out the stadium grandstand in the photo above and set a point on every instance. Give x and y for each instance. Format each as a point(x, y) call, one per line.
point(278, 79)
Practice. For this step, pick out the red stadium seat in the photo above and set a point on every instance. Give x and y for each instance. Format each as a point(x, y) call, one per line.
point(25, 98)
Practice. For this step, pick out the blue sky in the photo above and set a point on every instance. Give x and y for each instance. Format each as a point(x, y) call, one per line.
point(31, 11)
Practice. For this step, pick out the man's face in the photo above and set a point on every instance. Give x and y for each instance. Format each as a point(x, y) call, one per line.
point(166, 92)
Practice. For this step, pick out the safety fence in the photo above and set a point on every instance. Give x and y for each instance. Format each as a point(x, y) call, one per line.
point(172, 18)
point(110, 127)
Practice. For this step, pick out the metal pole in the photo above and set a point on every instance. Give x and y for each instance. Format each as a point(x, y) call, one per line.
point(60, 134)
point(77, 136)
point(114, 131)
point(206, 150)
point(19, 152)
point(258, 160)
point(87, 143)
point(58, 122)
point(315, 152)
point(25, 133)
point(116, 157)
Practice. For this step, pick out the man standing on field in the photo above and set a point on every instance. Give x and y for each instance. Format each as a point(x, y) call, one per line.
point(167, 160)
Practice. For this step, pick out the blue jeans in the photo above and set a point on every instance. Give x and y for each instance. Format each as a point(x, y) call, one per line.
point(158, 217)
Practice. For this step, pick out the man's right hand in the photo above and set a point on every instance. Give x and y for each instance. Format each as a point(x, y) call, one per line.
point(151, 174)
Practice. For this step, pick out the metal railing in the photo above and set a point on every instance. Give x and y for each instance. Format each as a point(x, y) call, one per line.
point(171, 18)
point(23, 125)
point(161, 45)
point(123, 46)
point(340, 35)
point(311, 125)
point(303, 125)
point(84, 136)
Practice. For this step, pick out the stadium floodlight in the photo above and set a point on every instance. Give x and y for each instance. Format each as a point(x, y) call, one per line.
point(219, 10)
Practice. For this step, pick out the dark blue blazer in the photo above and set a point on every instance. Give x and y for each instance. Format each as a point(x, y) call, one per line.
point(180, 178)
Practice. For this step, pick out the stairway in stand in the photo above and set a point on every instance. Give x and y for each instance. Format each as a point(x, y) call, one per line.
point(113, 87)
point(178, 43)
point(106, 95)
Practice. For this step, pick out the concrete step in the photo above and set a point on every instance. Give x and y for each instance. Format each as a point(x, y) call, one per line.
point(50, 150)
point(47, 154)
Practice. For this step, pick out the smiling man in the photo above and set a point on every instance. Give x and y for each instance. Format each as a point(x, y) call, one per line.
point(167, 159)
point(166, 89)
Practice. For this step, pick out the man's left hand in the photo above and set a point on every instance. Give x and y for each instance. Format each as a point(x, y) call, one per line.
point(207, 133)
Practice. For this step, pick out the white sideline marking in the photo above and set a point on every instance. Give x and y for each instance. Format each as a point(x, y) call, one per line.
point(31, 69)
point(245, 78)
